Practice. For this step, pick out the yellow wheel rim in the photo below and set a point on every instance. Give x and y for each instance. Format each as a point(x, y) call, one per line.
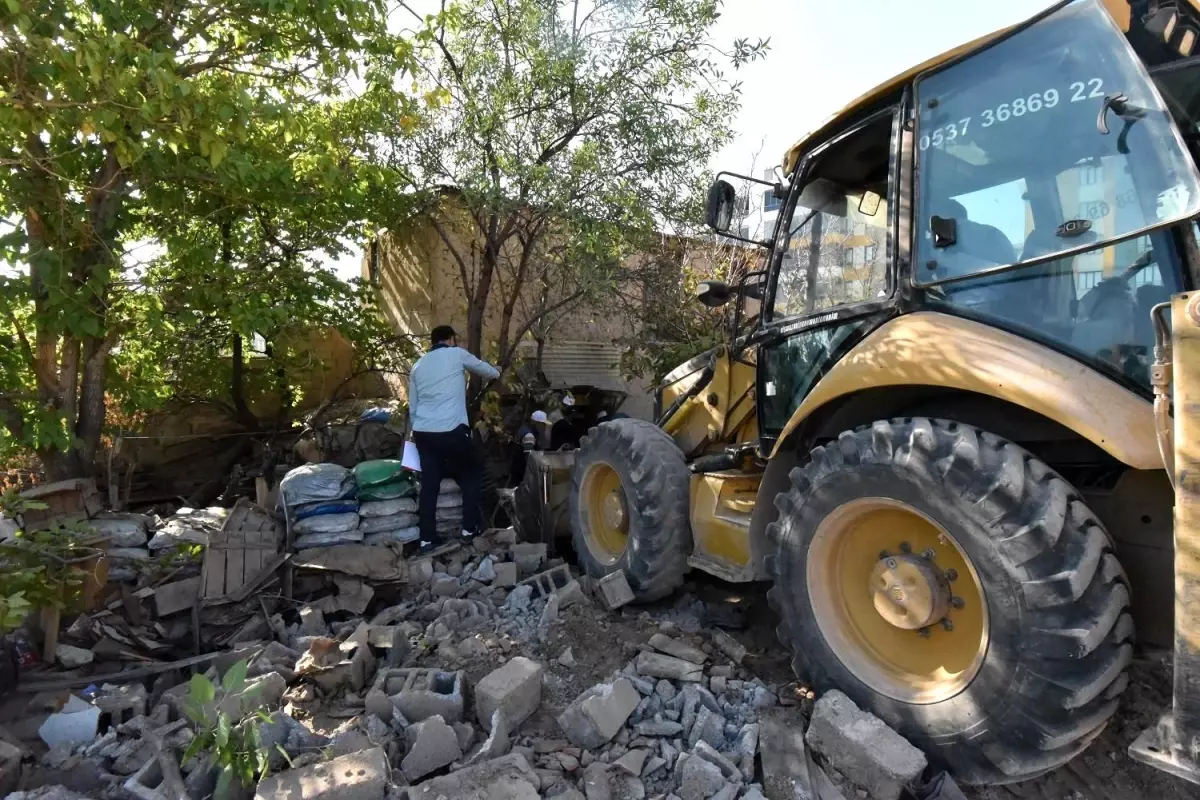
point(897, 600)
point(607, 512)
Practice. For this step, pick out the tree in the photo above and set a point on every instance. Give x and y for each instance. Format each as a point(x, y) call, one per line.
point(571, 134)
point(114, 117)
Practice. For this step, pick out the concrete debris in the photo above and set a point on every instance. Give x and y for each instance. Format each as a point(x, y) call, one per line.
point(417, 693)
point(374, 651)
point(598, 714)
point(614, 589)
point(432, 744)
point(674, 647)
point(729, 646)
point(700, 779)
point(73, 657)
point(498, 742)
point(357, 776)
point(515, 689)
point(509, 777)
point(656, 665)
point(862, 747)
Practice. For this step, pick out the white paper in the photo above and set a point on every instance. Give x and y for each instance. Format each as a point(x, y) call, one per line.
point(411, 459)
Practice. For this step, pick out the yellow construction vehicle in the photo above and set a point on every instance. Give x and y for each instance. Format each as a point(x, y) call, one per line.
point(940, 424)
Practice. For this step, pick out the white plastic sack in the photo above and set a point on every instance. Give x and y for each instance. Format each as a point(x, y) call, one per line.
point(394, 522)
point(327, 523)
point(313, 482)
point(120, 531)
point(450, 500)
point(402, 536)
point(448, 486)
point(179, 531)
point(449, 514)
point(386, 508)
point(327, 539)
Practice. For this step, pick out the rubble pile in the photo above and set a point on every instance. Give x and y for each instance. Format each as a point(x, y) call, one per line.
point(465, 675)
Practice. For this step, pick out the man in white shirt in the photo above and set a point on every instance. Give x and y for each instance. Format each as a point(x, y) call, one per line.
point(437, 413)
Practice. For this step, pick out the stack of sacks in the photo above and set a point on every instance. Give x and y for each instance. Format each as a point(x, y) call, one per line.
point(449, 508)
point(387, 494)
point(320, 501)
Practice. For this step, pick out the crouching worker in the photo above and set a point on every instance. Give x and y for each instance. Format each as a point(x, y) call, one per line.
point(437, 409)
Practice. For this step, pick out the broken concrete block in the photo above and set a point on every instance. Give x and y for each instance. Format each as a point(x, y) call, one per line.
point(509, 777)
point(730, 770)
point(709, 727)
point(498, 742)
point(148, 782)
point(700, 779)
point(122, 702)
point(863, 747)
point(614, 588)
point(353, 595)
point(432, 744)
point(357, 776)
point(515, 688)
point(784, 758)
point(172, 598)
point(73, 657)
point(506, 574)
point(529, 557)
point(596, 716)
point(417, 693)
point(312, 622)
point(674, 647)
point(729, 646)
point(656, 665)
point(658, 727)
point(633, 761)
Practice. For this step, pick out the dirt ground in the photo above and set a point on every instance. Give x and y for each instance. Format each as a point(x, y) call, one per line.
point(1103, 772)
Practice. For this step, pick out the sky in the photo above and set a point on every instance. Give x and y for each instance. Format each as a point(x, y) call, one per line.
point(823, 55)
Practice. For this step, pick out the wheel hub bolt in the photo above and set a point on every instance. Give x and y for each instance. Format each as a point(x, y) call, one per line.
point(929, 553)
point(951, 574)
point(905, 547)
point(958, 603)
point(924, 633)
point(891, 563)
point(947, 625)
point(884, 554)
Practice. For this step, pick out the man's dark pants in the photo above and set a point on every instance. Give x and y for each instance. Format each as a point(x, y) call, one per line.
point(452, 454)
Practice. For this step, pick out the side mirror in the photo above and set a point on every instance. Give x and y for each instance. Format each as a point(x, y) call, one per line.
point(713, 294)
point(718, 211)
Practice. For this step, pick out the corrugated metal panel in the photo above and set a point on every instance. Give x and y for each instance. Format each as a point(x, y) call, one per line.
point(596, 364)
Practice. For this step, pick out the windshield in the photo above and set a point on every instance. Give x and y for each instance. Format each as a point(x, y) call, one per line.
point(1013, 162)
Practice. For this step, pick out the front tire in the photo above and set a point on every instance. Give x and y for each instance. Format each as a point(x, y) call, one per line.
point(629, 507)
point(1024, 669)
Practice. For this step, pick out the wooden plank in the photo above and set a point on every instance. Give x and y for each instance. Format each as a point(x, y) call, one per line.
point(175, 597)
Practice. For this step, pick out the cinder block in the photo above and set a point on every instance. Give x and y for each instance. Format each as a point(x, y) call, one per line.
point(614, 588)
point(418, 693)
point(515, 689)
point(861, 746)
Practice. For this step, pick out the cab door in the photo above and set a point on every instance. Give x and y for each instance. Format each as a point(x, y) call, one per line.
point(833, 264)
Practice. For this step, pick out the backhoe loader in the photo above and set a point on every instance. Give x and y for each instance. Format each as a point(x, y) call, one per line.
point(957, 420)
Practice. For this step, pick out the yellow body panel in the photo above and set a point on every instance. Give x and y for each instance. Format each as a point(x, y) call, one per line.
point(724, 411)
point(722, 504)
point(932, 349)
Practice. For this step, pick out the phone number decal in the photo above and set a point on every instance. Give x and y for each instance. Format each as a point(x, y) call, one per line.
point(1014, 109)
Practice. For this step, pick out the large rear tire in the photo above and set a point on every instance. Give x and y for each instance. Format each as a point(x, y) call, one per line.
point(994, 631)
point(629, 507)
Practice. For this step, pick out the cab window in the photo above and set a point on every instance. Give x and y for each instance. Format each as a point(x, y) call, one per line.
point(836, 242)
point(1013, 166)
